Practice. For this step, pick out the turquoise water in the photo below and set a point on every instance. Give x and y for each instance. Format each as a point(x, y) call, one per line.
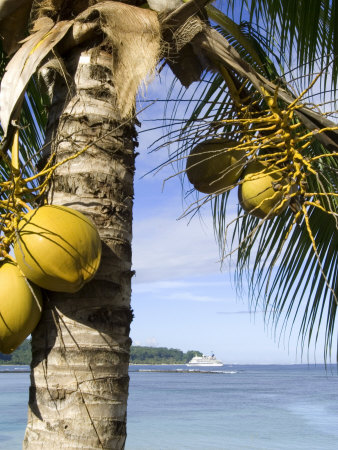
point(233, 408)
point(13, 409)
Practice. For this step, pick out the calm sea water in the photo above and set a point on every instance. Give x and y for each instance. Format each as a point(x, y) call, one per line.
point(232, 408)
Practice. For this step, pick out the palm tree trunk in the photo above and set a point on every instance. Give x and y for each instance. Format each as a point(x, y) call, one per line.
point(79, 376)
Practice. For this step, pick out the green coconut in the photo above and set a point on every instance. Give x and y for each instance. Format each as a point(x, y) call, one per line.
point(213, 165)
point(20, 307)
point(57, 248)
point(261, 192)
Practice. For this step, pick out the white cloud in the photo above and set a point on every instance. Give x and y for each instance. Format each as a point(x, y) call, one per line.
point(165, 248)
point(142, 288)
point(191, 297)
point(151, 342)
point(175, 290)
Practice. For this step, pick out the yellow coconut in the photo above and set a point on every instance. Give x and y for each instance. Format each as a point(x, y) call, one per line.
point(57, 248)
point(20, 307)
point(261, 192)
point(213, 165)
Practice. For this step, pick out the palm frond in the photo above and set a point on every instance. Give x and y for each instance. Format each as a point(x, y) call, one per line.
point(22, 67)
point(290, 269)
point(288, 263)
point(32, 124)
point(306, 29)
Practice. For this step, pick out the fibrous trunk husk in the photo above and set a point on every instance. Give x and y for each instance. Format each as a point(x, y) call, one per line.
point(134, 36)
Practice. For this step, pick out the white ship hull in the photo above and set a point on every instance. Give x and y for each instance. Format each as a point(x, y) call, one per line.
point(205, 361)
point(205, 364)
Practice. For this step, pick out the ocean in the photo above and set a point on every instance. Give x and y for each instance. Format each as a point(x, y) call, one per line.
point(224, 408)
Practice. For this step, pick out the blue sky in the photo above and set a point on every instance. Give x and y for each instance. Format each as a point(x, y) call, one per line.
point(181, 297)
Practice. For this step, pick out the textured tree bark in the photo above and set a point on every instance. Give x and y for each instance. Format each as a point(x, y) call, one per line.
point(79, 376)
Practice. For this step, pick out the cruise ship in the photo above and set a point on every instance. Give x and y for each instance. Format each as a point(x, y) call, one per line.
point(205, 361)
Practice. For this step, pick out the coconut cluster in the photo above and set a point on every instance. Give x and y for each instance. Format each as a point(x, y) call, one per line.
point(217, 165)
point(56, 248)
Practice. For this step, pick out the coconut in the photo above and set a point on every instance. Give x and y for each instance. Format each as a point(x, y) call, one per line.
point(261, 191)
point(57, 248)
point(20, 307)
point(213, 165)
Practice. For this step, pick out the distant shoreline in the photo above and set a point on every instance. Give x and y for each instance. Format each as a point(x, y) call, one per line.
point(138, 355)
point(184, 364)
point(13, 365)
point(131, 364)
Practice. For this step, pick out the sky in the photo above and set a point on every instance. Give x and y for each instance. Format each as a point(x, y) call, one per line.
point(181, 296)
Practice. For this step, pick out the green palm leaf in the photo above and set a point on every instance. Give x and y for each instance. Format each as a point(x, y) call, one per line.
point(32, 123)
point(290, 268)
point(306, 29)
